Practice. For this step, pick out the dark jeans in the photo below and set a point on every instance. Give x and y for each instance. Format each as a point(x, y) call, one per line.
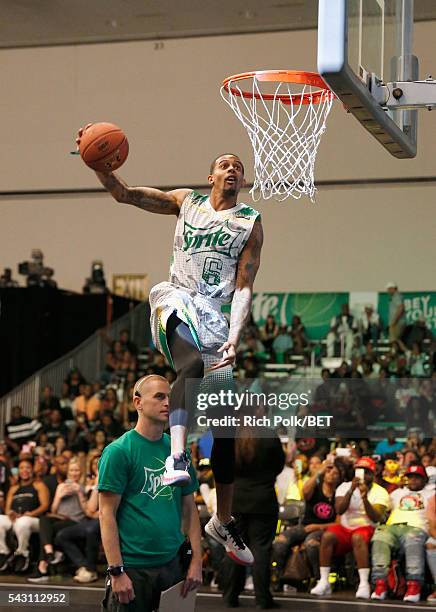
point(292, 537)
point(85, 532)
point(48, 528)
point(148, 583)
point(257, 531)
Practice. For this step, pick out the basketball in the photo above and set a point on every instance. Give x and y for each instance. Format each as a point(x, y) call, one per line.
point(104, 147)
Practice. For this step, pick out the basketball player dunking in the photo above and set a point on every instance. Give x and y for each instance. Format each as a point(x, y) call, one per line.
point(216, 256)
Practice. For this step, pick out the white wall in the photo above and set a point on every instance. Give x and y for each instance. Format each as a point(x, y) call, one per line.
point(167, 101)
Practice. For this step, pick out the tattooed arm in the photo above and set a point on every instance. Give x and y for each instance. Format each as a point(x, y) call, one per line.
point(248, 266)
point(146, 198)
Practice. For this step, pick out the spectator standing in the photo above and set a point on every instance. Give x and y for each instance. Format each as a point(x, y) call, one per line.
point(397, 314)
point(140, 518)
point(406, 530)
point(342, 329)
point(26, 502)
point(361, 505)
point(258, 462)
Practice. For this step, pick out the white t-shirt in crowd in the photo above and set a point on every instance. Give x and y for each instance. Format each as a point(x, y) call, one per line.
point(356, 516)
point(410, 507)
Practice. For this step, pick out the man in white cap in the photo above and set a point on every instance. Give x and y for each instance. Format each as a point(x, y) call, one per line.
point(397, 316)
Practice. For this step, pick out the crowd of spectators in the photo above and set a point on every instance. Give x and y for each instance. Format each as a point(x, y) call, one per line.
point(49, 468)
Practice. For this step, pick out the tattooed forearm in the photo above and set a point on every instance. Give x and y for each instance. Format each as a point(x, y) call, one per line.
point(146, 198)
point(248, 266)
point(241, 305)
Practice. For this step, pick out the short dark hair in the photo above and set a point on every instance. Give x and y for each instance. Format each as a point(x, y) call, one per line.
point(212, 166)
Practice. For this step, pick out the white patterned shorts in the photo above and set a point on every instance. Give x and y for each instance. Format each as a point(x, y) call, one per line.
point(203, 316)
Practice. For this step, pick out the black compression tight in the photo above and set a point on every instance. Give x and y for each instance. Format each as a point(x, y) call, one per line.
point(188, 363)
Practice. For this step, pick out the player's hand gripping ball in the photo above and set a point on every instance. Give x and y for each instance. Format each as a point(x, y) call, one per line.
point(103, 146)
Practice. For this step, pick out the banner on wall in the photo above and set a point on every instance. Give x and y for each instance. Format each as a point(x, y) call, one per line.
point(315, 309)
point(418, 304)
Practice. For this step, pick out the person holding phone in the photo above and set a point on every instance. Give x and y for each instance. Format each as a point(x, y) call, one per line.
point(361, 504)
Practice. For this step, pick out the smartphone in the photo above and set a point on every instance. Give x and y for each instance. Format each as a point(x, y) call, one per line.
point(360, 474)
point(299, 465)
point(343, 452)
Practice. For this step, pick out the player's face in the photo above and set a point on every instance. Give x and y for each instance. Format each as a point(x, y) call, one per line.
point(154, 402)
point(228, 175)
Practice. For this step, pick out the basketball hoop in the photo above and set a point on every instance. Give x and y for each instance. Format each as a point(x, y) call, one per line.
point(285, 114)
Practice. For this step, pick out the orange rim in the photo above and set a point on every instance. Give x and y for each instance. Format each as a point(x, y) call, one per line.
point(300, 77)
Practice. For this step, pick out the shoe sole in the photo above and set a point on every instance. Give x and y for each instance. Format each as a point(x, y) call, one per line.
point(237, 560)
point(176, 481)
point(37, 580)
point(412, 599)
point(229, 552)
point(379, 597)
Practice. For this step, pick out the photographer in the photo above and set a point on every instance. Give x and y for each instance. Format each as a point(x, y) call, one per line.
point(140, 518)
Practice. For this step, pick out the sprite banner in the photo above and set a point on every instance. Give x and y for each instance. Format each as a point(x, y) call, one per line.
point(417, 304)
point(315, 309)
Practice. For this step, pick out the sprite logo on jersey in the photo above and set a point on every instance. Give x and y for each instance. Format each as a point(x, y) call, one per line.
point(218, 238)
point(153, 485)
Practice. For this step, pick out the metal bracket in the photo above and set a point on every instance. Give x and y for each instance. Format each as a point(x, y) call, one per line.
point(404, 95)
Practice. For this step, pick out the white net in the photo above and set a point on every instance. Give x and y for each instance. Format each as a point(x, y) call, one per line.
point(285, 129)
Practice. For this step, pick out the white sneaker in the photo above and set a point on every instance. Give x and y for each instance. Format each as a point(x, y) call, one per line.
point(176, 470)
point(84, 575)
point(229, 537)
point(321, 589)
point(364, 591)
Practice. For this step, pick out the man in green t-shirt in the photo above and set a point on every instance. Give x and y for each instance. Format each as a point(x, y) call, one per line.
point(140, 517)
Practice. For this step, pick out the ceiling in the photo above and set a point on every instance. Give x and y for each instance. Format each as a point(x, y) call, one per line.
point(31, 23)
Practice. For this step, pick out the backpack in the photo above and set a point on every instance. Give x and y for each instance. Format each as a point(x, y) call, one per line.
point(396, 581)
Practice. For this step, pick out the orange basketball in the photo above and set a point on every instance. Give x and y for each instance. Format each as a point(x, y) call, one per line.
point(104, 147)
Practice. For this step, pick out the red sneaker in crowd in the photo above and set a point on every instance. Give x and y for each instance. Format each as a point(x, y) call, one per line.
point(413, 592)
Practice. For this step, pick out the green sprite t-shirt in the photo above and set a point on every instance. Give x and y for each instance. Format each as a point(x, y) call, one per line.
point(149, 515)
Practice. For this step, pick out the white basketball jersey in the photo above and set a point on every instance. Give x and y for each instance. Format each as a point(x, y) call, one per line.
point(207, 245)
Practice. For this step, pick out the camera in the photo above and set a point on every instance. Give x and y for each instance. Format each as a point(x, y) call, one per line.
point(96, 283)
point(37, 274)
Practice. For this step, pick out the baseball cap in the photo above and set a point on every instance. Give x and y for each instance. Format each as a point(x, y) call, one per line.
point(391, 285)
point(419, 470)
point(365, 462)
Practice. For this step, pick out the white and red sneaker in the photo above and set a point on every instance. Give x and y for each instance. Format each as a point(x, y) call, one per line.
point(229, 537)
point(381, 589)
point(176, 470)
point(413, 592)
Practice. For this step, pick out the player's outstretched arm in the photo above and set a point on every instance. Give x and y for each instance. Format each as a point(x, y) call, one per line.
point(248, 266)
point(145, 198)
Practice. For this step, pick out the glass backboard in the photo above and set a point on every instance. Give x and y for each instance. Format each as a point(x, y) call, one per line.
point(360, 41)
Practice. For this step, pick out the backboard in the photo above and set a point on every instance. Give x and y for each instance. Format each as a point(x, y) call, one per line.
point(363, 43)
